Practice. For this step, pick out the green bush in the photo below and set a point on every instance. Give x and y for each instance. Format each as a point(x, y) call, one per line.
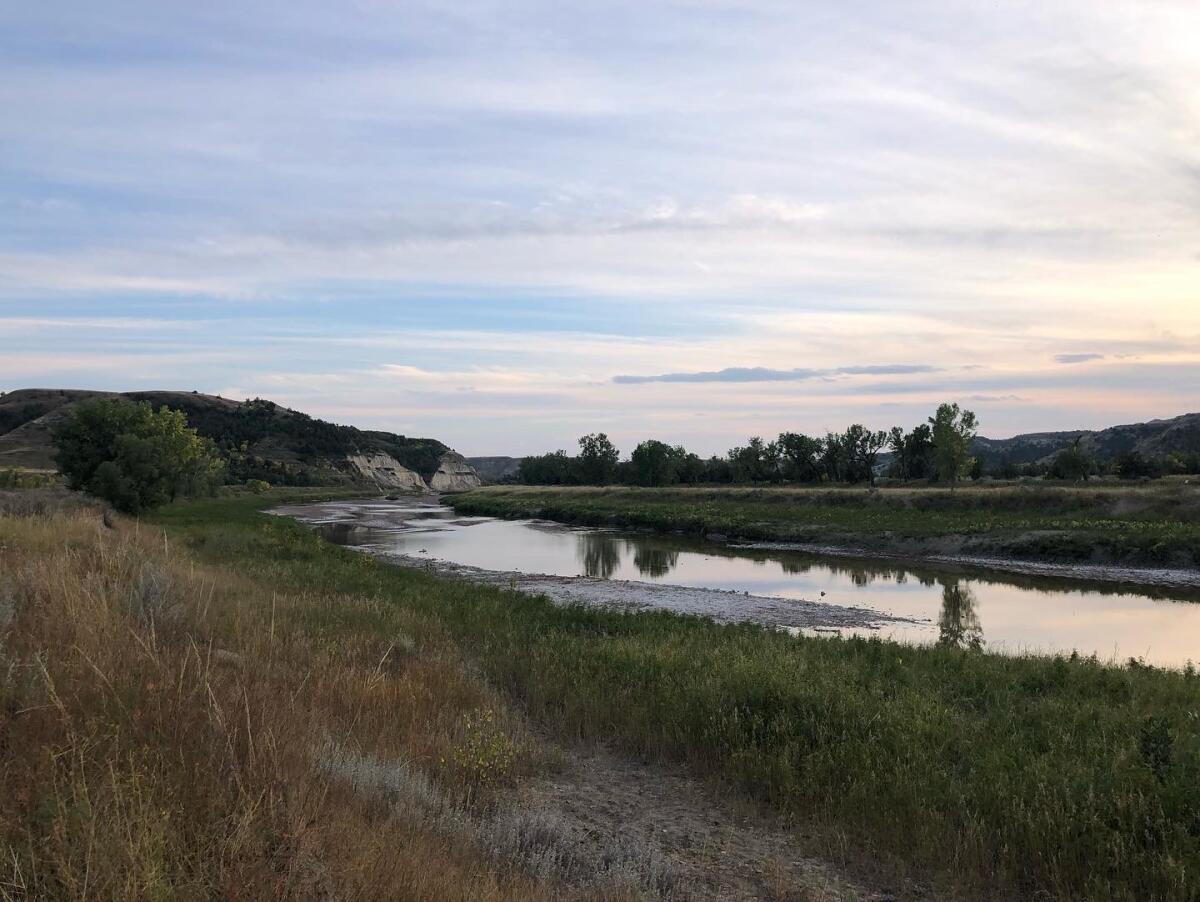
point(258, 486)
point(23, 479)
point(133, 456)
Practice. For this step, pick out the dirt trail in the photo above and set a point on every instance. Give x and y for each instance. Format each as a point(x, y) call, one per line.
point(717, 849)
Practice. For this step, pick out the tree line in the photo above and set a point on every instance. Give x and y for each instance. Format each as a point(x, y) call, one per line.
point(1075, 463)
point(938, 449)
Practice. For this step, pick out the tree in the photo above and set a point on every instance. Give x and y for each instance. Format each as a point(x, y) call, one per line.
point(753, 462)
point(655, 463)
point(1072, 463)
point(1132, 465)
point(799, 457)
point(691, 468)
point(834, 459)
point(912, 451)
point(718, 469)
point(554, 468)
point(861, 447)
point(597, 459)
point(1005, 468)
point(919, 450)
point(953, 431)
point(899, 459)
point(134, 456)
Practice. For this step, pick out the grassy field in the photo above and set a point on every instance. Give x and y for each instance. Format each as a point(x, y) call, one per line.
point(172, 728)
point(187, 706)
point(1158, 525)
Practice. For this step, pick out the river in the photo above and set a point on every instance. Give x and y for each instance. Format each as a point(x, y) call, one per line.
point(902, 601)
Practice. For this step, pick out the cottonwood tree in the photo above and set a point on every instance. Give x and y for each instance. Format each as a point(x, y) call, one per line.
point(656, 463)
point(953, 431)
point(752, 462)
point(862, 446)
point(597, 459)
point(834, 460)
point(799, 456)
point(1072, 463)
point(554, 468)
point(912, 451)
point(133, 456)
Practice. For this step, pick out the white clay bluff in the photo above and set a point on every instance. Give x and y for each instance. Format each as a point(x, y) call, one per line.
point(453, 474)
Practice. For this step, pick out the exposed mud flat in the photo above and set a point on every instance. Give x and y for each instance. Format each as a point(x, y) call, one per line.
point(723, 606)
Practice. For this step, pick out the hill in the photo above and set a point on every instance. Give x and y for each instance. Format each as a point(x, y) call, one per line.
point(259, 438)
point(1154, 439)
point(496, 469)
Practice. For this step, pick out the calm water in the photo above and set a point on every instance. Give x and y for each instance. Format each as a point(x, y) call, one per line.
point(1001, 613)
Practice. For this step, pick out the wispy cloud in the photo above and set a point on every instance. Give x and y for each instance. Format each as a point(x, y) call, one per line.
point(464, 220)
point(765, 374)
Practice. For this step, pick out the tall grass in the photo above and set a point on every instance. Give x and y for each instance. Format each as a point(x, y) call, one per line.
point(1035, 776)
point(176, 729)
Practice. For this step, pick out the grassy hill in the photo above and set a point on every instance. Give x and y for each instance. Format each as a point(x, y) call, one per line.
point(1154, 439)
point(261, 439)
point(496, 469)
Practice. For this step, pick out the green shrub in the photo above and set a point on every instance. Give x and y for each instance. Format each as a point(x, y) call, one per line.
point(23, 479)
point(133, 456)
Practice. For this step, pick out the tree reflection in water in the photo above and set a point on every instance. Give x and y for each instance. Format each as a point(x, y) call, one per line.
point(654, 562)
point(860, 574)
point(958, 624)
point(599, 554)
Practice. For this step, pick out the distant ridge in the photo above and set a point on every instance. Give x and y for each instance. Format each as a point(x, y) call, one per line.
point(1152, 439)
point(263, 440)
point(496, 469)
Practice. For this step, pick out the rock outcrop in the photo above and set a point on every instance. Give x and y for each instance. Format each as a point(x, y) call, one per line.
point(454, 474)
point(387, 472)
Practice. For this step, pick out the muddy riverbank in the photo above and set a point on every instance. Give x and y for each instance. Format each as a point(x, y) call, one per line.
point(722, 605)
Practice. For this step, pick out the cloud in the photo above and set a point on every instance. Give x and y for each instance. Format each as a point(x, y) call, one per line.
point(1076, 358)
point(765, 374)
point(991, 398)
point(528, 198)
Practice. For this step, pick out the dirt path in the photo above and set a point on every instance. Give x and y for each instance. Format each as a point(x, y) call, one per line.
point(715, 849)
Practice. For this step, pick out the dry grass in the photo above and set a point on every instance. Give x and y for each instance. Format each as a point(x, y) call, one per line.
point(168, 730)
point(44, 502)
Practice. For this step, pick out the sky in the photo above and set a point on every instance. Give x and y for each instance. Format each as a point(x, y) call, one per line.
point(507, 224)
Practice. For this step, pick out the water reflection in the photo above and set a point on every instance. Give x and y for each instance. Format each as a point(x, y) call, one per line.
point(655, 562)
point(859, 573)
point(958, 623)
point(946, 603)
point(599, 554)
point(344, 533)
